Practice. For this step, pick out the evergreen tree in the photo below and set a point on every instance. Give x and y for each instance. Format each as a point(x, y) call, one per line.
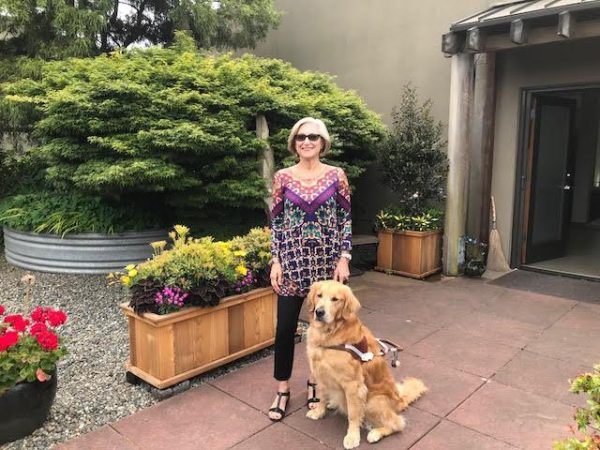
point(411, 158)
point(56, 29)
point(175, 129)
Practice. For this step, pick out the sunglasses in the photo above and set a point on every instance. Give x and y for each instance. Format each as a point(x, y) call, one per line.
point(311, 137)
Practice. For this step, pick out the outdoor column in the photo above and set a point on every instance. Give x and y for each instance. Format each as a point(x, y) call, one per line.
point(461, 93)
point(481, 148)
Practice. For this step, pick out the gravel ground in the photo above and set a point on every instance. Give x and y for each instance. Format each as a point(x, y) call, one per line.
point(92, 390)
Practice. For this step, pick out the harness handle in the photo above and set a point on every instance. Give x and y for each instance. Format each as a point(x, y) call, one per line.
point(389, 346)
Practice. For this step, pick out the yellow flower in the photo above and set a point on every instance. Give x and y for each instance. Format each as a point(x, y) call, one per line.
point(241, 270)
point(125, 280)
point(181, 230)
point(158, 245)
point(130, 267)
point(239, 253)
point(132, 273)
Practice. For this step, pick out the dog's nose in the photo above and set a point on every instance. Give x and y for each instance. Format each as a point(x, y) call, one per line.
point(319, 312)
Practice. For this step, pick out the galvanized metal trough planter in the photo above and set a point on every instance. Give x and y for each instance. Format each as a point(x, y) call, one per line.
point(78, 253)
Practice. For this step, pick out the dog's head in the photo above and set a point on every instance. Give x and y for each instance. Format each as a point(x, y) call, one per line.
point(331, 301)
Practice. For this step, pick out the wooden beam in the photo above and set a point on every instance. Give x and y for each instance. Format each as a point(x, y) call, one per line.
point(565, 24)
point(518, 31)
point(461, 96)
point(451, 43)
point(475, 39)
point(541, 35)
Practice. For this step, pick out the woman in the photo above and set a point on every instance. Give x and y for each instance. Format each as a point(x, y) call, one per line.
point(311, 241)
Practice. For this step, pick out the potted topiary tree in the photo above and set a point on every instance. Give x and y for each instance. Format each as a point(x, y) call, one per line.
point(413, 165)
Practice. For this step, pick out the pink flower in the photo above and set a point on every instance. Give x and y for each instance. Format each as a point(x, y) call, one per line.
point(17, 322)
point(41, 375)
point(8, 339)
point(2, 310)
point(47, 340)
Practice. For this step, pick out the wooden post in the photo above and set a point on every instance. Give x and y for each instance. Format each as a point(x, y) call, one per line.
point(267, 159)
point(481, 147)
point(461, 96)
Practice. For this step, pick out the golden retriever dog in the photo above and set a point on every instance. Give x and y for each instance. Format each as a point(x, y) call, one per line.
point(365, 391)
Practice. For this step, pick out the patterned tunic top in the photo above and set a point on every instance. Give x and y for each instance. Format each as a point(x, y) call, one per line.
point(311, 226)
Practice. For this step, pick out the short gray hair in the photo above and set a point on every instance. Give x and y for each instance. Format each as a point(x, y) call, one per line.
point(322, 131)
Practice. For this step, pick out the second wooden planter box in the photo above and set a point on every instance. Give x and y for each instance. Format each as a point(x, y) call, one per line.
point(167, 349)
point(415, 254)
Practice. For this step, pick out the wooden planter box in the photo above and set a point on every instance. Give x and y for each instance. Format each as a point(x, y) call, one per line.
point(167, 349)
point(415, 254)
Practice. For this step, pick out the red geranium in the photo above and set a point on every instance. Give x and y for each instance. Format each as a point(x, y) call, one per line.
point(56, 317)
point(8, 339)
point(17, 322)
point(48, 340)
point(37, 327)
point(29, 347)
point(40, 314)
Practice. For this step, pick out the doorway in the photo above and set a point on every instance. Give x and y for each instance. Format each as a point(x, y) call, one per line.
point(557, 197)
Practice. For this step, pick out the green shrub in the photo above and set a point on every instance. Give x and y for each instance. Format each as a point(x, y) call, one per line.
point(176, 129)
point(587, 419)
point(411, 157)
point(45, 212)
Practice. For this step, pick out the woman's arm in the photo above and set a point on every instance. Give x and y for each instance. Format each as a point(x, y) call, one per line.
point(276, 274)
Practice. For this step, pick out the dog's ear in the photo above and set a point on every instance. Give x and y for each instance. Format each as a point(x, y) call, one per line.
point(311, 296)
point(351, 303)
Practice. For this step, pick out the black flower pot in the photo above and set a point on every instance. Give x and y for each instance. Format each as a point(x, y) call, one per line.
point(24, 408)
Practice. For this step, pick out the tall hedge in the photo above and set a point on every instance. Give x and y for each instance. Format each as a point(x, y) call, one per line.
point(174, 129)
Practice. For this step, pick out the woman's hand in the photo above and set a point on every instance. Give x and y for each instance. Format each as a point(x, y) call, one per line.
point(342, 271)
point(276, 276)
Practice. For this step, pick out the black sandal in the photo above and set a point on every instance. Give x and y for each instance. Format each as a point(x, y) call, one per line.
point(313, 395)
point(277, 409)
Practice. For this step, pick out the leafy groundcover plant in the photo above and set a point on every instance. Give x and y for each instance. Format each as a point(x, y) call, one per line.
point(196, 271)
point(587, 419)
point(62, 213)
point(29, 345)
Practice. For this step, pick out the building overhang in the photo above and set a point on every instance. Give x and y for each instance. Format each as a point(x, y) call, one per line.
point(522, 23)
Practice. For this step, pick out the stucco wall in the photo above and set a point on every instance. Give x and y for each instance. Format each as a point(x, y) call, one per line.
point(566, 64)
point(373, 47)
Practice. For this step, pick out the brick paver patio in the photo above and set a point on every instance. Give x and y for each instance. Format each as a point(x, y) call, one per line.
point(496, 360)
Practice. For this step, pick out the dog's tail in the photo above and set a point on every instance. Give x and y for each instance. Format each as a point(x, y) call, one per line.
point(410, 390)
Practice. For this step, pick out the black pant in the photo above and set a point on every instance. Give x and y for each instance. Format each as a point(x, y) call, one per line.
point(288, 310)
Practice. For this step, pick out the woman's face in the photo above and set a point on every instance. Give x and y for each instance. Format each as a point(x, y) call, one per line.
point(307, 148)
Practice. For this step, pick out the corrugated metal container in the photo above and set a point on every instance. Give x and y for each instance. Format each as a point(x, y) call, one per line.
point(78, 253)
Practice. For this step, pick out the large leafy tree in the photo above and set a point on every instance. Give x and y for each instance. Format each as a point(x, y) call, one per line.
point(55, 29)
point(175, 129)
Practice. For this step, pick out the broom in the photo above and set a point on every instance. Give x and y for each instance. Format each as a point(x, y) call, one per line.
point(496, 260)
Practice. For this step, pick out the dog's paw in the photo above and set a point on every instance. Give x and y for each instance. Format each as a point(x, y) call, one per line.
point(351, 440)
point(316, 414)
point(374, 436)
